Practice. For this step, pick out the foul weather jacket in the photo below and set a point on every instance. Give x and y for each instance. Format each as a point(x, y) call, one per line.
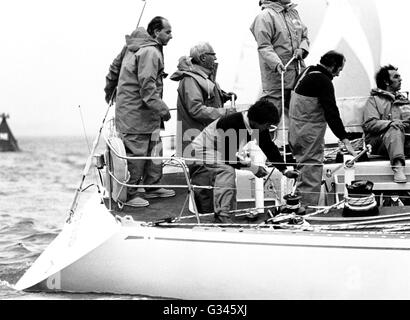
point(139, 106)
point(200, 101)
point(278, 32)
point(111, 79)
point(381, 109)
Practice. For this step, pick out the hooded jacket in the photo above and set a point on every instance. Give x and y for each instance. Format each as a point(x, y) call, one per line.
point(200, 101)
point(139, 107)
point(278, 33)
point(381, 109)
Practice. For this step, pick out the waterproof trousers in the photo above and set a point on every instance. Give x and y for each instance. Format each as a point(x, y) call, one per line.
point(201, 176)
point(224, 183)
point(392, 143)
point(147, 172)
point(307, 144)
point(275, 96)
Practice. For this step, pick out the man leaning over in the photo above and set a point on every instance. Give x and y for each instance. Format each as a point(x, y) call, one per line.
point(312, 107)
point(220, 142)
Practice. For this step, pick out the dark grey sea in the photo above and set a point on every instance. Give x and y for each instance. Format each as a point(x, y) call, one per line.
point(37, 187)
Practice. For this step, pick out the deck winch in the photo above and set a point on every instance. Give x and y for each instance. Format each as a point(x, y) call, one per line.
point(360, 200)
point(293, 202)
point(293, 205)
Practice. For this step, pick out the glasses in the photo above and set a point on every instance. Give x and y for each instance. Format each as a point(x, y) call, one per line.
point(210, 53)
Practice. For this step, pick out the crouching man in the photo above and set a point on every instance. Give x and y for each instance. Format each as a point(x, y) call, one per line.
point(386, 120)
point(219, 143)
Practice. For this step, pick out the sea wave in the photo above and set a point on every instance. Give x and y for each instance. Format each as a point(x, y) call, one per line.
point(37, 187)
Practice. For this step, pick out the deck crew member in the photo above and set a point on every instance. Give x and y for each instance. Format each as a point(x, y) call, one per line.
point(280, 35)
point(312, 105)
point(219, 142)
point(140, 110)
point(200, 101)
point(386, 120)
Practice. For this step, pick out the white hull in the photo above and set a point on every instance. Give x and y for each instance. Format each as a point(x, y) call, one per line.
point(223, 263)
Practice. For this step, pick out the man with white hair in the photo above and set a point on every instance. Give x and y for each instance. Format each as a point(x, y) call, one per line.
point(200, 102)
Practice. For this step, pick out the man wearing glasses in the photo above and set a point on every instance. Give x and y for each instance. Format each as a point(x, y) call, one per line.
point(200, 101)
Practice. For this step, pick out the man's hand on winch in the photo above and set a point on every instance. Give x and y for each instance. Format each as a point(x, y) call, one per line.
point(291, 174)
point(260, 172)
point(349, 147)
point(244, 158)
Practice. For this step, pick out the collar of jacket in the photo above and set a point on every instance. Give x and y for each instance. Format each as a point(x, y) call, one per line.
point(186, 67)
point(324, 71)
point(397, 99)
point(383, 93)
point(197, 72)
point(202, 71)
point(276, 6)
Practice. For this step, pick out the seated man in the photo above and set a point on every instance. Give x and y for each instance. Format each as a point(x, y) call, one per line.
point(386, 120)
point(218, 144)
point(200, 101)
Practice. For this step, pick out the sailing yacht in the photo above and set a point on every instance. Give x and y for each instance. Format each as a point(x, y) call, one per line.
point(269, 252)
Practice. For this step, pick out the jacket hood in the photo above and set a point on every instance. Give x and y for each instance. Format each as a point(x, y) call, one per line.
point(382, 93)
point(276, 5)
point(397, 99)
point(185, 65)
point(140, 38)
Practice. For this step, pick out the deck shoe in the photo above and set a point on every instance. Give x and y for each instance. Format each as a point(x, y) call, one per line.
point(159, 193)
point(399, 176)
point(137, 202)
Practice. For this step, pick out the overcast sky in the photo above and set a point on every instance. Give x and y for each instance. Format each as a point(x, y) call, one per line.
point(55, 54)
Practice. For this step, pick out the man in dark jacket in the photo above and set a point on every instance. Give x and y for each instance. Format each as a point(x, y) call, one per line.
point(312, 106)
point(200, 101)
point(219, 143)
point(140, 110)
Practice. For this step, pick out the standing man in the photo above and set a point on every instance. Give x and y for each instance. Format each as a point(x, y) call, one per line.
point(280, 35)
point(312, 105)
point(200, 101)
point(386, 120)
point(219, 144)
point(140, 110)
point(200, 98)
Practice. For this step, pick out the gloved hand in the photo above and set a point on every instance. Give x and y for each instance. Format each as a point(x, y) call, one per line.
point(227, 96)
point(399, 124)
point(167, 116)
point(244, 158)
point(110, 92)
point(300, 54)
point(280, 67)
point(232, 94)
point(291, 174)
point(107, 98)
point(261, 172)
